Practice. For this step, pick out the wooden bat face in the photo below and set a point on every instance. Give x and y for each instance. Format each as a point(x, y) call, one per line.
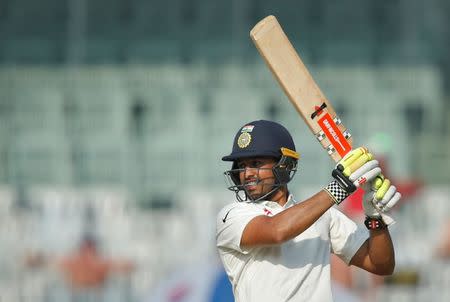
point(300, 87)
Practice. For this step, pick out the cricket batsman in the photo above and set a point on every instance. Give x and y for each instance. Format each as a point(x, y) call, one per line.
point(277, 248)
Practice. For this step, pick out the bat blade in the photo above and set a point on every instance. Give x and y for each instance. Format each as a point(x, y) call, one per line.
point(300, 87)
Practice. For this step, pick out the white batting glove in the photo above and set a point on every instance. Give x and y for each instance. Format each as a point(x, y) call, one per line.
point(355, 169)
point(379, 198)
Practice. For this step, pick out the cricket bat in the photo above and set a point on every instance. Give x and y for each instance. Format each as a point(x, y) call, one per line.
point(300, 87)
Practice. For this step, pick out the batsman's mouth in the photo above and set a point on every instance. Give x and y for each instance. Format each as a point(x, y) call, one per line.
point(251, 184)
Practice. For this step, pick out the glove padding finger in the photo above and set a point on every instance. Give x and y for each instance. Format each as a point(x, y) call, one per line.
point(380, 198)
point(355, 169)
point(390, 203)
point(387, 196)
point(366, 173)
point(371, 211)
point(357, 163)
point(368, 166)
point(352, 156)
point(381, 186)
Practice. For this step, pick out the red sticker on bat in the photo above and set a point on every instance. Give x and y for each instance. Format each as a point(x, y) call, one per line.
point(334, 135)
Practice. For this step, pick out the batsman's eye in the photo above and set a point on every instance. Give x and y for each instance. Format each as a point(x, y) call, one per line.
point(253, 164)
point(257, 164)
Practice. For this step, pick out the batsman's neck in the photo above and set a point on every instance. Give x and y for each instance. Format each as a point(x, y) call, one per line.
point(280, 196)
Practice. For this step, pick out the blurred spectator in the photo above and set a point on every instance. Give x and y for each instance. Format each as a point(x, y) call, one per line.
point(85, 268)
point(443, 249)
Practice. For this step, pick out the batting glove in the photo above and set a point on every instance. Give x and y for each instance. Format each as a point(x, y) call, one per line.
point(354, 170)
point(379, 198)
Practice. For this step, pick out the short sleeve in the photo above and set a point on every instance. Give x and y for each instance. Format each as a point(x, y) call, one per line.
point(345, 235)
point(231, 222)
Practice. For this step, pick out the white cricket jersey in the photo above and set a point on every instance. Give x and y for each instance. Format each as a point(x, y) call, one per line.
point(298, 269)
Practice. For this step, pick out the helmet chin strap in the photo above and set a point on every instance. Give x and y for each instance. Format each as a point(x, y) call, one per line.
point(270, 194)
point(266, 196)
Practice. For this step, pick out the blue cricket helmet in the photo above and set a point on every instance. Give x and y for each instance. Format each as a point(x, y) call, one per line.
point(260, 138)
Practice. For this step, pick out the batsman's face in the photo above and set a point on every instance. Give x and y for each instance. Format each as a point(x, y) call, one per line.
point(256, 175)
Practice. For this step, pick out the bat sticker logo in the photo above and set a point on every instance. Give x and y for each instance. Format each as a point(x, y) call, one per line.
point(318, 110)
point(332, 132)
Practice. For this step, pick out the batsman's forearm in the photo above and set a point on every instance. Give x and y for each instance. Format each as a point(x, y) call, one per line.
point(298, 218)
point(381, 251)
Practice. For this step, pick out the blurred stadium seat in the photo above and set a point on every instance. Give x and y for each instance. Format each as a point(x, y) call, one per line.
point(31, 50)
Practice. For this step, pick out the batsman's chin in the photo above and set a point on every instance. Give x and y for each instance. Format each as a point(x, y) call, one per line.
point(254, 193)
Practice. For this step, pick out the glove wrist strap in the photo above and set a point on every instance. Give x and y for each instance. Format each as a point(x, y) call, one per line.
point(336, 192)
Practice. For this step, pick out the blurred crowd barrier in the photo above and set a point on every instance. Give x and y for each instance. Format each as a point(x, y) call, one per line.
point(156, 242)
point(173, 249)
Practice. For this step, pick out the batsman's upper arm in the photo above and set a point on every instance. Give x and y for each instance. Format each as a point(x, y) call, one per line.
point(260, 231)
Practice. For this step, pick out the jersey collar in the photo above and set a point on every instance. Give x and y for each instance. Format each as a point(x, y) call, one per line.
point(274, 205)
point(290, 201)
